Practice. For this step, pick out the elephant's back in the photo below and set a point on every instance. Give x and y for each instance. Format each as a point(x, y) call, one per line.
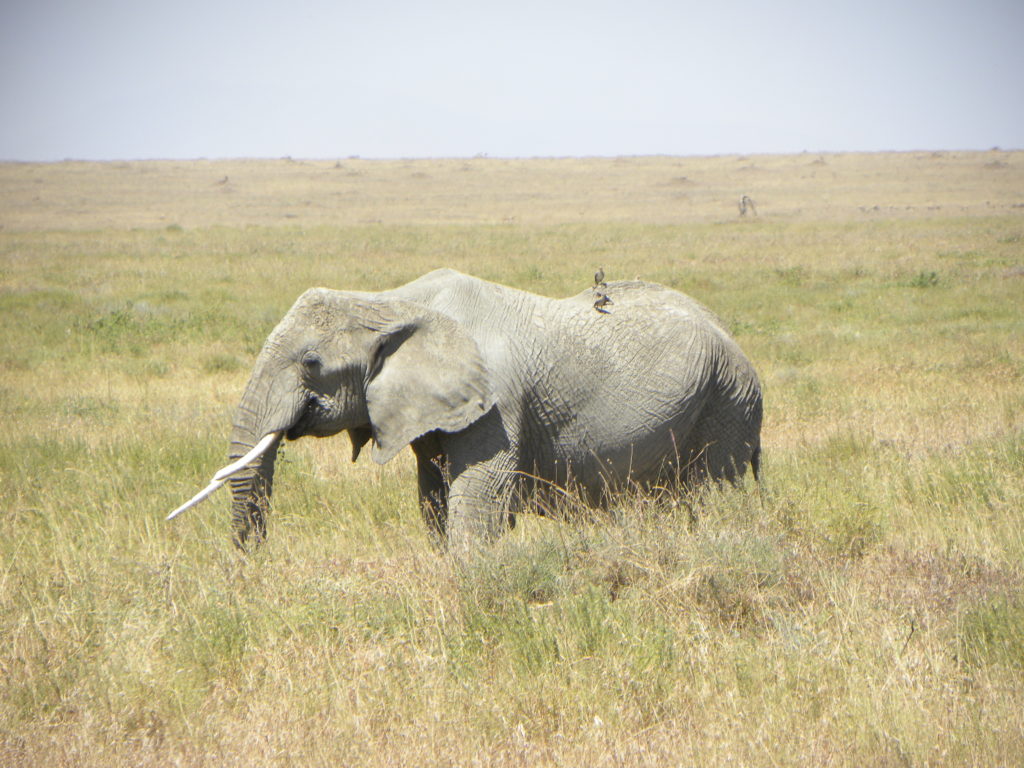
point(652, 367)
point(643, 298)
point(652, 350)
point(641, 314)
point(642, 360)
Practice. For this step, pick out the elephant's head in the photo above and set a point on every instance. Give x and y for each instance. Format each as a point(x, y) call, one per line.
point(386, 370)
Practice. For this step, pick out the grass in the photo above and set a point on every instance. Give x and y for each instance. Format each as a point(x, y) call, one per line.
point(866, 609)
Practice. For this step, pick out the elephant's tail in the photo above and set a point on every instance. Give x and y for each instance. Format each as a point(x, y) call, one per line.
point(755, 464)
point(755, 469)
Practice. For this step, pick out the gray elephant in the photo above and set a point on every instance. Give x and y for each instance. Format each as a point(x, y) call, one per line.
point(501, 394)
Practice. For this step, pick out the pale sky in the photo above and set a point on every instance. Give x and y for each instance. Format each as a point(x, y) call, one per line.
point(133, 79)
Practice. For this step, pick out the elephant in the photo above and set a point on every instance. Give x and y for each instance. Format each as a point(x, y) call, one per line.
point(502, 394)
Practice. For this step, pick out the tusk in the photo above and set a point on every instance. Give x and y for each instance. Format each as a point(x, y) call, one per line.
point(207, 491)
point(260, 448)
point(231, 469)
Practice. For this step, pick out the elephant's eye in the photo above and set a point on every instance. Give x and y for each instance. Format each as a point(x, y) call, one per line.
point(311, 361)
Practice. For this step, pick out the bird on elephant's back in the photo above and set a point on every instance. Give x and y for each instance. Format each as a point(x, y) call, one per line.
point(499, 392)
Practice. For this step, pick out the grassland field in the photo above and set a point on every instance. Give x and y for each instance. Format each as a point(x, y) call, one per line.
point(865, 609)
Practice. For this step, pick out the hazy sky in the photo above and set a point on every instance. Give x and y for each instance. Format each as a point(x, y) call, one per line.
point(106, 79)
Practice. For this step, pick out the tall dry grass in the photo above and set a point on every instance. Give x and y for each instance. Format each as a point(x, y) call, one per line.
point(867, 610)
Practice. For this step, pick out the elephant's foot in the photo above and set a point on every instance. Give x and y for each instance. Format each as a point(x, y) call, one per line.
point(471, 532)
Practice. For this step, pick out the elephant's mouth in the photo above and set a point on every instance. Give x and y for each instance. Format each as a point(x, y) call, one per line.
point(317, 419)
point(305, 424)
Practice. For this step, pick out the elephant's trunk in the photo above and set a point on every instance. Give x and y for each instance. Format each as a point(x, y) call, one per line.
point(267, 443)
point(251, 488)
point(266, 411)
point(270, 406)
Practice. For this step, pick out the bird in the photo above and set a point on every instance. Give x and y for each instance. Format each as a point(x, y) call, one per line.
point(599, 278)
point(603, 299)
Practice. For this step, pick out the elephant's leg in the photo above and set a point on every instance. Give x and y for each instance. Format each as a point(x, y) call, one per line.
point(432, 476)
point(481, 474)
point(478, 505)
point(720, 447)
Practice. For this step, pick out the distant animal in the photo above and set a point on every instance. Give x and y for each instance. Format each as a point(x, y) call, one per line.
point(505, 397)
point(222, 182)
point(745, 203)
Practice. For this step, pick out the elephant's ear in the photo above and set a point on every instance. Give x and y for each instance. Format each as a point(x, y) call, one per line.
point(425, 373)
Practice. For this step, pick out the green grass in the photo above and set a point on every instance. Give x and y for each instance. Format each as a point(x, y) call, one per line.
point(866, 609)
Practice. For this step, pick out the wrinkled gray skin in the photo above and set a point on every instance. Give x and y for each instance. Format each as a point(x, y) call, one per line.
point(501, 392)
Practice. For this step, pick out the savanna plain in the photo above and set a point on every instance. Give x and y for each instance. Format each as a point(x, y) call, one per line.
point(863, 606)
